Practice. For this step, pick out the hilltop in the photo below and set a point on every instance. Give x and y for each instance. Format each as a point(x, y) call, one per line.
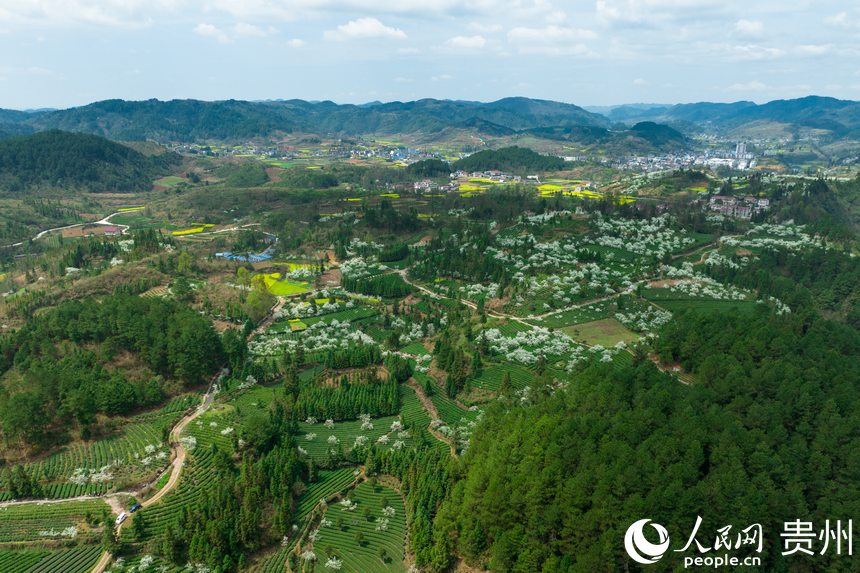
point(59, 160)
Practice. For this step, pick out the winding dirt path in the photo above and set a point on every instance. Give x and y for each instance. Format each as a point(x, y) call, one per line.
point(180, 455)
point(430, 408)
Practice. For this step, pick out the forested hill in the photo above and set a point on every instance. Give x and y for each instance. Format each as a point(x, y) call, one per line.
point(60, 160)
point(760, 438)
point(644, 137)
point(192, 120)
point(513, 159)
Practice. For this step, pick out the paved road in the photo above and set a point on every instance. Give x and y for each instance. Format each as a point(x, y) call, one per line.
point(103, 221)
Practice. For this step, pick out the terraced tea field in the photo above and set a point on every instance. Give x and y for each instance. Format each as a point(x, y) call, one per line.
point(492, 375)
point(94, 468)
point(51, 521)
point(75, 560)
point(196, 478)
point(358, 543)
point(328, 484)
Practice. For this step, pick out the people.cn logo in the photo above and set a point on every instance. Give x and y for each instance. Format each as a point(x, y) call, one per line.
point(640, 549)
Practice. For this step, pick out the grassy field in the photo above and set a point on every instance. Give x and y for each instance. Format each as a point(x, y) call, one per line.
point(359, 539)
point(606, 332)
point(169, 181)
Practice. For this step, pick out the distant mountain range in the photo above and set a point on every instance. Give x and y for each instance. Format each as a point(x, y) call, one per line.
point(190, 120)
point(638, 127)
point(822, 116)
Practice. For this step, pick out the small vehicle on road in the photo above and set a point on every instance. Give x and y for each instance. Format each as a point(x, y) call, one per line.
point(122, 517)
point(134, 508)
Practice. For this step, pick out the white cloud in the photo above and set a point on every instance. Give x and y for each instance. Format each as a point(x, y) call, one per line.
point(653, 12)
point(447, 77)
point(814, 49)
point(212, 31)
point(843, 20)
point(364, 29)
point(250, 30)
point(113, 13)
point(752, 86)
point(552, 41)
point(466, 42)
point(556, 17)
point(746, 27)
point(486, 28)
point(295, 43)
point(640, 82)
point(298, 9)
point(754, 52)
point(550, 34)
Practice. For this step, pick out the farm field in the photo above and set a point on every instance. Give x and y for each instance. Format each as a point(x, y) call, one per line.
point(279, 286)
point(320, 441)
point(51, 521)
point(679, 301)
point(327, 485)
point(606, 332)
point(136, 220)
point(350, 314)
point(416, 349)
point(678, 305)
point(72, 560)
point(449, 411)
point(358, 542)
point(169, 181)
point(587, 313)
point(94, 468)
point(199, 438)
point(492, 375)
point(415, 416)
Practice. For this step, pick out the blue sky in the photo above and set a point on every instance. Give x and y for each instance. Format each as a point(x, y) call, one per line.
point(61, 53)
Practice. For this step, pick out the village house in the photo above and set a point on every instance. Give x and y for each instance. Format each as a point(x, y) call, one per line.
point(740, 207)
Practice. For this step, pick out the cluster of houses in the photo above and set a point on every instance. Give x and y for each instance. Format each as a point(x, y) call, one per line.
point(742, 207)
point(492, 175)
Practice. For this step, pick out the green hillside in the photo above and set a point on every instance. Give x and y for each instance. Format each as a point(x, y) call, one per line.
point(59, 160)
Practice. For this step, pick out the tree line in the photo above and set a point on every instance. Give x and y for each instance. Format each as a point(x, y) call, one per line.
point(64, 357)
point(355, 394)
